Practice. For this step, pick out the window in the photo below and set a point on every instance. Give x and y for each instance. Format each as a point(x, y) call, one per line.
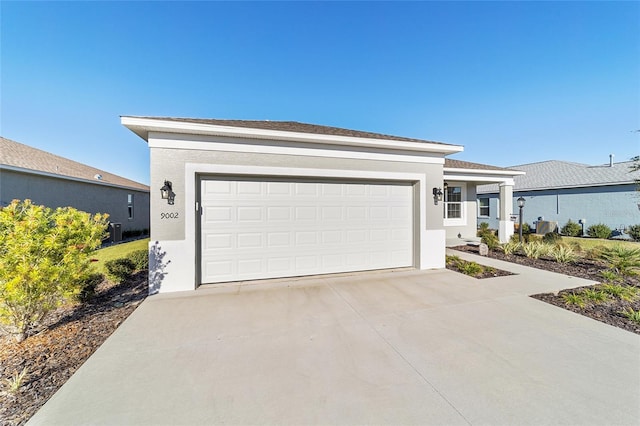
point(483, 207)
point(130, 206)
point(453, 202)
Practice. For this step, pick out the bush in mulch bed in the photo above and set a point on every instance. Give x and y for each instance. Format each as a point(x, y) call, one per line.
point(72, 333)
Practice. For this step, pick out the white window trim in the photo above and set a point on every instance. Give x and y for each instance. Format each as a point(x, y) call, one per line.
point(461, 221)
point(488, 206)
point(130, 208)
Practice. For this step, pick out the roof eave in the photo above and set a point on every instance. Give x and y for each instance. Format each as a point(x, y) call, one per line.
point(142, 127)
point(72, 178)
point(483, 171)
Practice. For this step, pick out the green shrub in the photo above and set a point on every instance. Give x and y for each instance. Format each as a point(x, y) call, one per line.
point(511, 247)
point(551, 238)
point(526, 228)
point(452, 260)
point(488, 236)
point(118, 270)
point(627, 293)
point(483, 227)
point(599, 230)
point(536, 249)
point(471, 268)
point(140, 259)
point(632, 315)
point(595, 296)
point(44, 253)
point(571, 229)
point(610, 277)
point(491, 240)
point(88, 286)
point(574, 299)
point(634, 231)
point(563, 253)
point(622, 260)
point(532, 238)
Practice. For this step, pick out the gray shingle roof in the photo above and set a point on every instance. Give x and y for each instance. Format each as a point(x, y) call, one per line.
point(18, 155)
point(555, 174)
point(459, 164)
point(293, 126)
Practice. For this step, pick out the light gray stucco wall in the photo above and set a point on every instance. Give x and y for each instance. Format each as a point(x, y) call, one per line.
point(92, 198)
point(469, 228)
point(169, 164)
point(615, 205)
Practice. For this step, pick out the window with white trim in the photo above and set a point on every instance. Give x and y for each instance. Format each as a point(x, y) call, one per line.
point(130, 206)
point(453, 202)
point(483, 207)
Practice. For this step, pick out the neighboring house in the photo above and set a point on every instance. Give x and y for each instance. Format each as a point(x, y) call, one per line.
point(53, 181)
point(556, 191)
point(236, 200)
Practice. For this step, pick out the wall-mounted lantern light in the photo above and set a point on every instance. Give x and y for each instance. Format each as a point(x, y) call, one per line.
point(167, 192)
point(521, 202)
point(437, 194)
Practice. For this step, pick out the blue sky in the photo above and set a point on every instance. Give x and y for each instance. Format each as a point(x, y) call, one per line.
point(514, 82)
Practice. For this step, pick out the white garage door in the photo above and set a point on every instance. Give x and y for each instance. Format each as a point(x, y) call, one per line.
point(253, 229)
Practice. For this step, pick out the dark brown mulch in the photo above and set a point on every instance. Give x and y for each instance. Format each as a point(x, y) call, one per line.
point(608, 312)
point(70, 335)
point(487, 272)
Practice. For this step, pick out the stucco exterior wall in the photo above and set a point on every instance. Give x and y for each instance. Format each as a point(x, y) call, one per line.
point(466, 227)
point(92, 198)
point(616, 206)
point(173, 245)
point(169, 164)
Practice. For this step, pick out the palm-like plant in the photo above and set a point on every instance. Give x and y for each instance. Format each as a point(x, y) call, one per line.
point(622, 260)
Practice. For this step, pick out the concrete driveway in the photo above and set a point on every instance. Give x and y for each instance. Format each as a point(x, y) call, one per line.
point(403, 347)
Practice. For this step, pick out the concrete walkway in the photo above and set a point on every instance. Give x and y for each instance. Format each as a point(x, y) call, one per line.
point(403, 347)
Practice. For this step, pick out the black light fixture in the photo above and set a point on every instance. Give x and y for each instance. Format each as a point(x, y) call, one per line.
point(166, 192)
point(520, 202)
point(437, 194)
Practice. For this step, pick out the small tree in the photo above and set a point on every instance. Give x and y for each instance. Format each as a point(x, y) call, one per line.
point(44, 255)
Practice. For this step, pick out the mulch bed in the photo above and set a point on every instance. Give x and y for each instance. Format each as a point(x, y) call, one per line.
point(607, 312)
point(69, 336)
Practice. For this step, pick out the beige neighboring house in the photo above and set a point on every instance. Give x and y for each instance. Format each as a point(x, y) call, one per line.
point(237, 200)
point(54, 181)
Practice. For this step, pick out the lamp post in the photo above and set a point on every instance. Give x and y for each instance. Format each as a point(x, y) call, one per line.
point(520, 201)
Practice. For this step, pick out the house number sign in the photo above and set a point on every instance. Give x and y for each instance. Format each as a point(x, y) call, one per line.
point(173, 215)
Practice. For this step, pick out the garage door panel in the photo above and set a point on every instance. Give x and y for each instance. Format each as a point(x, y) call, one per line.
point(264, 229)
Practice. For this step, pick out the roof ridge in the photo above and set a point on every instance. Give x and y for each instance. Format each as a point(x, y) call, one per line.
point(551, 161)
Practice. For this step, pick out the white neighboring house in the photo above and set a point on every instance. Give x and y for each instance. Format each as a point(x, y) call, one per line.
point(237, 200)
point(54, 181)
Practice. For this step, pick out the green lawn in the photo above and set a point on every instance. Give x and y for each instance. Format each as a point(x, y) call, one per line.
point(117, 251)
point(589, 243)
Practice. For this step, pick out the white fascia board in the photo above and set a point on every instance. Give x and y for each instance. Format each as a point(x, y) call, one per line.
point(484, 172)
point(143, 126)
point(503, 180)
point(75, 179)
point(225, 144)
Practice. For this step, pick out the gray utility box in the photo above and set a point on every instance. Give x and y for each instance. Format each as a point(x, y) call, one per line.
point(546, 226)
point(115, 232)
